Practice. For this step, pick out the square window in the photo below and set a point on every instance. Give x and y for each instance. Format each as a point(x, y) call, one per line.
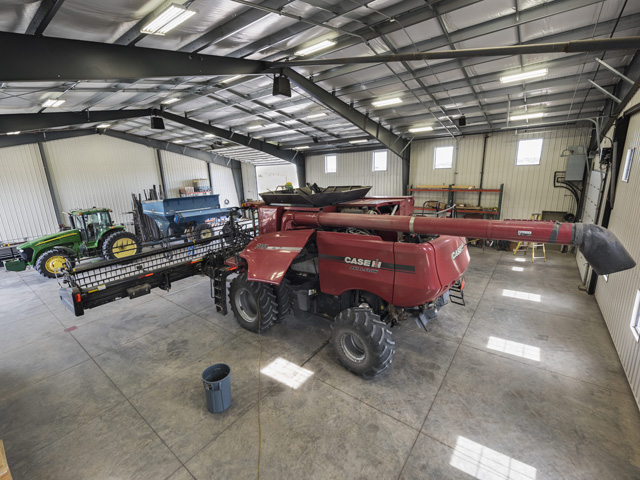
point(380, 161)
point(443, 157)
point(635, 318)
point(529, 152)
point(330, 164)
point(627, 165)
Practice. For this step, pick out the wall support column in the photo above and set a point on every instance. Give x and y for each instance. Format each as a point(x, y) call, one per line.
point(54, 200)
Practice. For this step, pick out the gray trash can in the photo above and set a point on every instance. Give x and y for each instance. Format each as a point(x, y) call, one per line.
point(217, 387)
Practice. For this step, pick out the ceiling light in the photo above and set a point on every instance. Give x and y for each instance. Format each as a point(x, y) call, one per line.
point(53, 103)
point(526, 116)
point(304, 147)
point(170, 101)
point(168, 19)
point(358, 141)
point(254, 127)
point(209, 135)
point(314, 48)
point(271, 125)
point(524, 76)
point(315, 115)
point(104, 125)
point(420, 129)
point(13, 133)
point(178, 141)
point(229, 80)
point(384, 103)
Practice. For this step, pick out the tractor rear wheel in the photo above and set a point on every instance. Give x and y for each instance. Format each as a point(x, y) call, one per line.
point(120, 245)
point(50, 263)
point(362, 342)
point(253, 303)
point(203, 231)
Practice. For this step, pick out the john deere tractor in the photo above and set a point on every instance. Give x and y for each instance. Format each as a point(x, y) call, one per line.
point(92, 233)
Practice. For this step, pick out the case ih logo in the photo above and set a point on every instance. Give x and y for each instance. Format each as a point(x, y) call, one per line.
point(524, 233)
point(455, 254)
point(363, 262)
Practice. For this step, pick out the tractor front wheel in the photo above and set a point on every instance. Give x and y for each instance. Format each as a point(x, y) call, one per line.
point(50, 263)
point(253, 303)
point(203, 231)
point(362, 342)
point(120, 245)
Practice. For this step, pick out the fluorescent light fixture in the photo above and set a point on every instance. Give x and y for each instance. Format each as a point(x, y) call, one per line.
point(104, 125)
point(315, 115)
point(254, 127)
point(385, 103)
point(229, 80)
point(304, 147)
point(314, 48)
point(358, 141)
point(53, 103)
point(168, 19)
point(524, 76)
point(209, 135)
point(420, 129)
point(270, 125)
point(178, 141)
point(526, 116)
point(13, 133)
point(169, 101)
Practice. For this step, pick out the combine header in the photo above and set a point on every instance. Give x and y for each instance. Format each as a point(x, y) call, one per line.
point(364, 262)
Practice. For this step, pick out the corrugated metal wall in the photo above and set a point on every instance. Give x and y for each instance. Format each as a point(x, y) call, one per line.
point(269, 177)
point(249, 181)
point(527, 189)
point(26, 209)
point(180, 171)
point(616, 296)
point(224, 185)
point(100, 171)
point(357, 169)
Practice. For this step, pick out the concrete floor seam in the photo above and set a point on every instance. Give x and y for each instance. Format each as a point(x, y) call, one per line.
point(453, 357)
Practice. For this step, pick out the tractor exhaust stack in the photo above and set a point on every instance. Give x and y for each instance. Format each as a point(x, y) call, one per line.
point(600, 247)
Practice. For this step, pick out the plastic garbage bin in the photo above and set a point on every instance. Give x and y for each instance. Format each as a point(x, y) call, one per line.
point(217, 387)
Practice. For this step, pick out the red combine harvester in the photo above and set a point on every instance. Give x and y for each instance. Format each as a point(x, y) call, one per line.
point(365, 262)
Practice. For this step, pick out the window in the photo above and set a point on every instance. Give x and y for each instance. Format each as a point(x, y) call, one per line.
point(380, 161)
point(627, 165)
point(635, 318)
point(529, 152)
point(330, 164)
point(443, 157)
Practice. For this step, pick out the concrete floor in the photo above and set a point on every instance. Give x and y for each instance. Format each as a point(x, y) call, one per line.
point(522, 383)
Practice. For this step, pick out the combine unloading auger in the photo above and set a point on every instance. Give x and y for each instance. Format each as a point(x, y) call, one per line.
point(600, 247)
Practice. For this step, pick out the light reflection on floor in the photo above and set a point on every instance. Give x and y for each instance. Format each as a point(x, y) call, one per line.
point(287, 373)
point(484, 463)
point(514, 348)
point(533, 297)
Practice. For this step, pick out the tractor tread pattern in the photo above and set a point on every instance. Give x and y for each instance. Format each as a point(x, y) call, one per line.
point(365, 325)
point(266, 300)
point(285, 299)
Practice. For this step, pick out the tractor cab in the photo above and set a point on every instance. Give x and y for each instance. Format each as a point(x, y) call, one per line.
point(90, 223)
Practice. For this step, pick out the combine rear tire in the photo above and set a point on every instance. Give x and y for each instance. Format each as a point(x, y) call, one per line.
point(50, 263)
point(120, 245)
point(362, 342)
point(253, 303)
point(203, 231)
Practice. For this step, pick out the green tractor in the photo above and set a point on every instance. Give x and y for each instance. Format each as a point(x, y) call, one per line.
point(92, 233)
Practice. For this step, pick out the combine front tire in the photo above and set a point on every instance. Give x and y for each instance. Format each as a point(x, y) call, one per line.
point(120, 245)
point(50, 263)
point(362, 342)
point(253, 303)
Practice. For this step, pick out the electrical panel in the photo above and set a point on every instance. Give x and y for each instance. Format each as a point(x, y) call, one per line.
point(576, 164)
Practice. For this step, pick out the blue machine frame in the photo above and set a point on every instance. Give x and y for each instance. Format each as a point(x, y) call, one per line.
point(179, 213)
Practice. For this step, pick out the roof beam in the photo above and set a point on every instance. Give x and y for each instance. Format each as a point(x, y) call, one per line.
point(43, 17)
point(42, 121)
point(287, 155)
point(393, 142)
point(624, 91)
point(28, 138)
point(28, 58)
